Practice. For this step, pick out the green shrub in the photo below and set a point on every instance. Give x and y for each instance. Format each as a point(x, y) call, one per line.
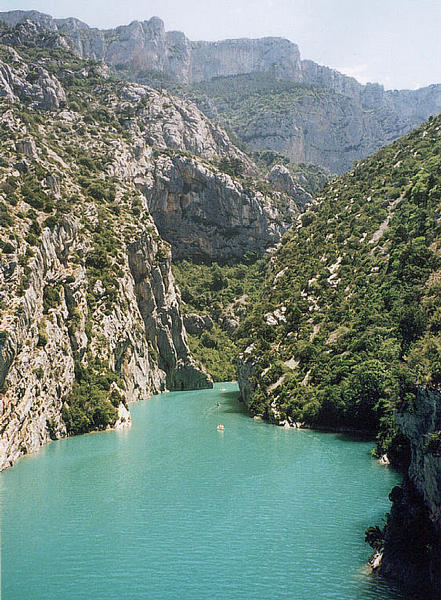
point(8, 248)
point(42, 336)
point(91, 405)
point(433, 444)
point(6, 219)
point(51, 297)
point(50, 222)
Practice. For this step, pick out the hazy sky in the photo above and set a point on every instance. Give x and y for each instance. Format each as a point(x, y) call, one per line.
point(394, 42)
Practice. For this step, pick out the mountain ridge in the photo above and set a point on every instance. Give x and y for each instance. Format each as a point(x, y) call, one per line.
point(305, 70)
point(349, 122)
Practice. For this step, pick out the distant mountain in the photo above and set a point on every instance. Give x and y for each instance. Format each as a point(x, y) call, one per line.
point(343, 122)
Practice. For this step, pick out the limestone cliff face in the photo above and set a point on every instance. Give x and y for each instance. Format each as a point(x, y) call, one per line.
point(246, 370)
point(233, 57)
point(208, 215)
point(90, 315)
point(412, 550)
point(329, 130)
point(141, 337)
point(348, 123)
point(283, 182)
point(418, 425)
point(204, 213)
point(146, 45)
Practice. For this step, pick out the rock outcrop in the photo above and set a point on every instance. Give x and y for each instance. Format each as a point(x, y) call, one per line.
point(34, 84)
point(281, 180)
point(207, 215)
point(246, 371)
point(196, 324)
point(412, 549)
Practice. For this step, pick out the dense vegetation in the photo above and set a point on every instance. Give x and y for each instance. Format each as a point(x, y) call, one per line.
point(93, 403)
point(349, 322)
point(223, 293)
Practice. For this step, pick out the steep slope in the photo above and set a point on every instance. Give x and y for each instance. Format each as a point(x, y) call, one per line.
point(90, 314)
point(348, 323)
point(409, 547)
point(347, 335)
point(306, 111)
point(205, 195)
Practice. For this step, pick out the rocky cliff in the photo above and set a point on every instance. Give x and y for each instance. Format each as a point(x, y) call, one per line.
point(90, 313)
point(136, 340)
point(412, 544)
point(306, 124)
point(207, 215)
point(147, 46)
point(341, 122)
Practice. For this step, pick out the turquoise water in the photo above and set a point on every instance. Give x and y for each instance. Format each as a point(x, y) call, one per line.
point(174, 509)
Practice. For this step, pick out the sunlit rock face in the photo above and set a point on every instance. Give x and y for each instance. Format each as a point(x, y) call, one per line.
point(347, 124)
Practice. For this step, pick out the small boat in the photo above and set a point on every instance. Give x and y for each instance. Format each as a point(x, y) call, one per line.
point(220, 427)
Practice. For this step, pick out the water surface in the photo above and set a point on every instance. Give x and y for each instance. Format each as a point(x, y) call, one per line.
point(174, 509)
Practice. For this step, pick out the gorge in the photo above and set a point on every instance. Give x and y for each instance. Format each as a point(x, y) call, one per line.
point(144, 247)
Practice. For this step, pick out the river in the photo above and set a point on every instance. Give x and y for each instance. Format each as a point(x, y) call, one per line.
point(174, 509)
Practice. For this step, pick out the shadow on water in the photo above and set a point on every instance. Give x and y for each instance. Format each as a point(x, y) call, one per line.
point(231, 396)
point(231, 404)
point(356, 436)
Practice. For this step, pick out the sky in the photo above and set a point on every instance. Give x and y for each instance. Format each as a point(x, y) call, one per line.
point(393, 42)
